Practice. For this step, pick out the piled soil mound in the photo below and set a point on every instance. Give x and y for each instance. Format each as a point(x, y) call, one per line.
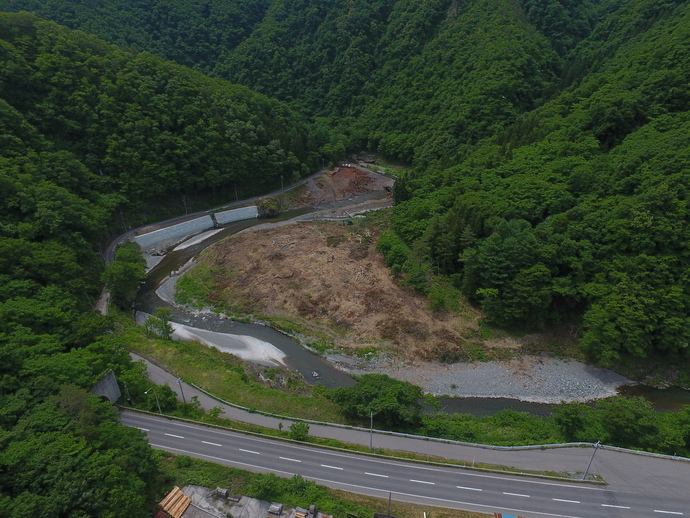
point(341, 183)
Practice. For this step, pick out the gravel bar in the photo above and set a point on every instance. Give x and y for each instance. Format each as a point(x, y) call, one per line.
point(537, 379)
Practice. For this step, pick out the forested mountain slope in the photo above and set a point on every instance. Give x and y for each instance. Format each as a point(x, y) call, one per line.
point(194, 33)
point(148, 127)
point(555, 127)
point(581, 205)
point(87, 129)
point(414, 80)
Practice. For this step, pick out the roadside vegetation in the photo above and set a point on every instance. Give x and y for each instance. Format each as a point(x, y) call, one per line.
point(292, 492)
point(395, 405)
point(231, 379)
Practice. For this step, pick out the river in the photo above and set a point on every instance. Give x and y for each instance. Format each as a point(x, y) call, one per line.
point(307, 363)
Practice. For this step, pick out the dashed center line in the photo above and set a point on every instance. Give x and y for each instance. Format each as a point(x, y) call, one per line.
point(516, 494)
point(376, 475)
point(668, 512)
point(566, 501)
point(291, 460)
point(422, 482)
point(212, 443)
point(143, 429)
point(330, 467)
point(615, 506)
point(250, 451)
point(173, 435)
point(469, 488)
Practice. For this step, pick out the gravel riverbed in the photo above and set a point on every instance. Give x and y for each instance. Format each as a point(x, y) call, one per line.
point(538, 379)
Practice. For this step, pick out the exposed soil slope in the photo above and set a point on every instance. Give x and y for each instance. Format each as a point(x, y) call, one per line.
point(329, 274)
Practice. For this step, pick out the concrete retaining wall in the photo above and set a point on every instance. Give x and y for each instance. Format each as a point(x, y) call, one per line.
point(174, 232)
point(229, 216)
point(107, 387)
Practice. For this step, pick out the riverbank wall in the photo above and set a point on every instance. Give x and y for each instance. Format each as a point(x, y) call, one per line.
point(194, 226)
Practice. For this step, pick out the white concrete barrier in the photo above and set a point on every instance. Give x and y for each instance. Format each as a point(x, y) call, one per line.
point(228, 216)
point(180, 230)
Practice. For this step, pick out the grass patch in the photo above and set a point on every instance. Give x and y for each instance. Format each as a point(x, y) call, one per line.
point(320, 346)
point(487, 332)
point(334, 241)
point(194, 286)
point(227, 377)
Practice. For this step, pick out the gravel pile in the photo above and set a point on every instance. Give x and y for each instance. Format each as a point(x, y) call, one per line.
point(536, 379)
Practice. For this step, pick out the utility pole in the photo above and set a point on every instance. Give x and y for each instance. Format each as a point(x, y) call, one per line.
point(156, 396)
point(596, 447)
point(129, 398)
point(371, 429)
point(184, 200)
point(124, 226)
point(179, 382)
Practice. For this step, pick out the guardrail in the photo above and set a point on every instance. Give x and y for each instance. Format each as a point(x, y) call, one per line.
point(441, 440)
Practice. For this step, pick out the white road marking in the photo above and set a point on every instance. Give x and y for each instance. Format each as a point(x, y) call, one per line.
point(492, 507)
point(566, 501)
point(176, 436)
point(250, 451)
point(516, 494)
point(668, 512)
point(376, 475)
point(615, 506)
point(143, 429)
point(212, 443)
point(469, 488)
point(291, 460)
point(422, 482)
point(330, 467)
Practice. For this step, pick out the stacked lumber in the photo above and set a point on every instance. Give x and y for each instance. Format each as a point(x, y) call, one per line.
point(175, 503)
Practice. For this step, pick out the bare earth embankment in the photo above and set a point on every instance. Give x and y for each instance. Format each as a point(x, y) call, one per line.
point(328, 275)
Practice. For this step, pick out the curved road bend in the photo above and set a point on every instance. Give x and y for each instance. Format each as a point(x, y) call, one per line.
point(660, 481)
point(109, 251)
point(411, 482)
point(664, 483)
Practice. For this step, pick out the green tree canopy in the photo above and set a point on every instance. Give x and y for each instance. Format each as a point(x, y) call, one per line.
point(393, 402)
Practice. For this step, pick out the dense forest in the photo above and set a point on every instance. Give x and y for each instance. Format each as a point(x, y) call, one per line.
point(550, 151)
point(88, 130)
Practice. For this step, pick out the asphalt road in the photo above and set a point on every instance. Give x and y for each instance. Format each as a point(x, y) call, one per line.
point(661, 479)
point(450, 487)
point(637, 486)
point(109, 251)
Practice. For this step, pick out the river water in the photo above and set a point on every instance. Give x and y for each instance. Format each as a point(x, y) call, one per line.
point(307, 363)
point(296, 357)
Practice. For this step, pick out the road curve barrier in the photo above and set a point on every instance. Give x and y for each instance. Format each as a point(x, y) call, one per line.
point(230, 216)
point(441, 440)
point(177, 231)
